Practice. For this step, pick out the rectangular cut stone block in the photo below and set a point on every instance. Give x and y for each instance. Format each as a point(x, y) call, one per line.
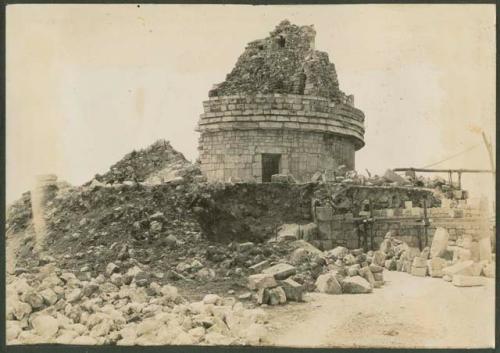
point(419, 262)
point(280, 271)
point(259, 267)
point(293, 290)
point(261, 280)
point(435, 266)
point(419, 271)
point(289, 232)
point(467, 281)
point(439, 242)
point(466, 268)
point(485, 249)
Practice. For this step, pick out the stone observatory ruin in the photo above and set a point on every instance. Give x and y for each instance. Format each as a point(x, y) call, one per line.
point(279, 111)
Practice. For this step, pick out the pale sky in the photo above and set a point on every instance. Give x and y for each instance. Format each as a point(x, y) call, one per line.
point(87, 84)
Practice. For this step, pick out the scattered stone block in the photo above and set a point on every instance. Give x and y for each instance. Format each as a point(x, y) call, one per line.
point(419, 271)
point(367, 274)
point(390, 264)
point(467, 281)
point(439, 242)
point(261, 280)
point(419, 262)
point(435, 266)
point(245, 296)
point(489, 270)
point(447, 278)
point(465, 268)
point(379, 258)
point(464, 254)
point(393, 177)
point(385, 246)
point(74, 295)
point(277, 296)
point(212, 299)
point(378, 276)
point(353, 270)
point(485, 249)
point(356, 285)
point(328, 283)
point(111, 268)
point(244, 247)
point(49, 296)
point(280, 271)
point(474, 250)
point(406, 266)
point(288, 232)
point(375, 268)
point(282, 178)
point(294, 291)
point(337, 253)
point(45, 326)
point(33, 299)
point(299, 256)
point(19, 309)
point(259, 267)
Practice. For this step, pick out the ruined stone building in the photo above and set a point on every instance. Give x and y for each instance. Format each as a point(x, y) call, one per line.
point(279, 111)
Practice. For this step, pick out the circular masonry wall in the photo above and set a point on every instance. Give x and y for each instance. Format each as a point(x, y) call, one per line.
point(253, 137)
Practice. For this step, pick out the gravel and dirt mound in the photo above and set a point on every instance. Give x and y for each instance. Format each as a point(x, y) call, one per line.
point(156, 226)
point(159, 160)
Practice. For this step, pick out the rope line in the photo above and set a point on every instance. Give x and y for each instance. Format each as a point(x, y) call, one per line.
point(453, 156)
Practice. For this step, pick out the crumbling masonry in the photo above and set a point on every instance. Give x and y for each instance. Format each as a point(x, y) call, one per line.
point(280, 111)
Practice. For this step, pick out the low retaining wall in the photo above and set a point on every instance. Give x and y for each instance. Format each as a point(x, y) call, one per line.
point(406, 224)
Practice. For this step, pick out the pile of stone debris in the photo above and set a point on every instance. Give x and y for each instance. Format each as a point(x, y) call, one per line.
point(390, 178)
point(49, 305)
point(335, 271)
point(155, 164)
point(464, 264)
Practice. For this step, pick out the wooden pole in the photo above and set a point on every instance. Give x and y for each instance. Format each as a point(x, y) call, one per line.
point(426, 222)
point(492, 163)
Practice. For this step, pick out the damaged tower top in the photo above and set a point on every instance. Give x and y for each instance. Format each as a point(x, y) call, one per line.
point(279, 111)
point(284, 62)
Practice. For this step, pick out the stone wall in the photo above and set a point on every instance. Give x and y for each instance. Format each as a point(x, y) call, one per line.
point(310, 133)
point(406, 224)
point(238, 154)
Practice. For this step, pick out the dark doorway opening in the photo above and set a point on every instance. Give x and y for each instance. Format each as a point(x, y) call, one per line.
point(270, 166)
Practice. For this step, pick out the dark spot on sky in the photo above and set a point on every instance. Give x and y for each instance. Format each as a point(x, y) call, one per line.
point(138, 5)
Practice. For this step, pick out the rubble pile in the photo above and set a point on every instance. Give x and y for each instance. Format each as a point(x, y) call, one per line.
point(350, 271)
point(153, 227)
point(19, 214)
point(390, 178)
point(155, 164)
point(147, 226)
point(308, 269)
point(49, 305)
point(284, 62)
point(461, 263)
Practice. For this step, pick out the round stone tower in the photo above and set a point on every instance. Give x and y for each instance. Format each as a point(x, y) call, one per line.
point(280, 111)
